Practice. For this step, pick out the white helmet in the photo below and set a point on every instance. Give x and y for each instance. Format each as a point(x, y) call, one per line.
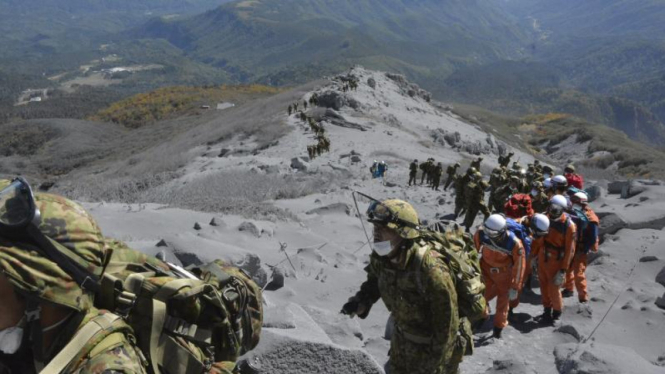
point(547, 183)
point(383, 162)
point(580, 197)
point(495, 226)
point(559, 181)
point(540, 225)
point(558, 203)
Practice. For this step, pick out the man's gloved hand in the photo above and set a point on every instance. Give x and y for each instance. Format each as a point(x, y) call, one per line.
point(512, 294)
point(559, 277)
point(351, 307)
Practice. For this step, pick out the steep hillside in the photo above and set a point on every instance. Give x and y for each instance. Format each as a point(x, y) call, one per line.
point(270, 37)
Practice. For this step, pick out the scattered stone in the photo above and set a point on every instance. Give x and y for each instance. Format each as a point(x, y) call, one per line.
point(594, 193)
point(161, 243)
point(317, 201)
point(197, 226)
point(570, 330)
point(610, 223)
point(224, 152)
point(660, 278)
point(371, 82)
point(643, 198)
point(332, 208)
point(299, 164)
point(213, 222)
point(390, 184)
point(46, 186)
point(276, 280)
point(648, 259)
point(442, 201)
point(597, 258)
point(355, 158)
point(250, 228)
point(507, 366)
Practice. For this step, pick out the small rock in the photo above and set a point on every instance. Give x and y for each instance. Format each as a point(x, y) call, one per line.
point(570, 330)
point(332, 208)
point(371, 82)
point(442, 201)
point(660, 278)
point(224, 152)
point(643, 198)
point(317, 201)
point(299, 164)
point(390, 184)
point(614, 188)
point(648, 259)
point(250, 228)
point(213, 222)
point(46, 186)
point(507, 366)
point(197, 226)
point(355, 158)
point(162, 243)
point(276, 281)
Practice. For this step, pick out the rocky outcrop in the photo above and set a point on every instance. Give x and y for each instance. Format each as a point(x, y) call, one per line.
point(573, 358)
point(408, 88)
point(299, 163)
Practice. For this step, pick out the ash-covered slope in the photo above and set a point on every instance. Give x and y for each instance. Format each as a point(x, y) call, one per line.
point(322, 262)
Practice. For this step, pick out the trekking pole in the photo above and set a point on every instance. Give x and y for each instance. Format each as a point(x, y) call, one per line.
point(282, 247)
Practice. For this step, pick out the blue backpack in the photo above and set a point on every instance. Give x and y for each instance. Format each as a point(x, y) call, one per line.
point(520, 232)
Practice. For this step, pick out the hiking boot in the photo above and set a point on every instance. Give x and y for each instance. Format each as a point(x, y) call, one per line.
point(496, 333)
point(567, 293)
point(556, 315)
point(546, 317)
point(511, 314)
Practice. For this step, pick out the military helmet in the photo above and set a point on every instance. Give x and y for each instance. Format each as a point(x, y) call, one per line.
point(71, 231)
point(397, 215)
point(484, 184)
point(547, 169)
point(471, 171)
point(569, 168)
point(478, 175)
point(457, 165)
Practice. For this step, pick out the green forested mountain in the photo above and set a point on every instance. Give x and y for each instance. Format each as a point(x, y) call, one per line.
point(422, 38)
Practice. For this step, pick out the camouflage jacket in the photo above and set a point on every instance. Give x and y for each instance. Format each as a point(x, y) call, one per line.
point(115, 353)
point(422, 301)
point(413, 168)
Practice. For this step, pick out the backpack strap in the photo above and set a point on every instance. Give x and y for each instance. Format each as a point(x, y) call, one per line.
point(418, 258)
point(100, 325)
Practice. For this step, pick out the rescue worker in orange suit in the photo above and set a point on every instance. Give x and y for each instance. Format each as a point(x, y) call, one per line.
point(587, 240)
point(537, 227)
point(554, 254)
point(502, 264)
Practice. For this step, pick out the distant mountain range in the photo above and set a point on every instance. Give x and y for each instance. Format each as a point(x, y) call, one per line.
point(601, 60)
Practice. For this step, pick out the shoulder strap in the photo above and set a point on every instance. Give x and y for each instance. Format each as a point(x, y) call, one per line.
point(419, 256)
point(98, 325)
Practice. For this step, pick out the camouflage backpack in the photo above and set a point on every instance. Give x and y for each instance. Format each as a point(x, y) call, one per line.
point(185, 321)
point(459, 252)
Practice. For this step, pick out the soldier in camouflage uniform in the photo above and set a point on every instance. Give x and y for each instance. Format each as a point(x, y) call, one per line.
point(498, 178)
point(425, 169)
point(476, 163)
point(539, 200)
point(504, 193)
point(475, 201)
point(413, 170)
point(452, 174)
point(460, 188)
point(505, 160)
point(416, 286)
point(436, 176)
point(50, 305)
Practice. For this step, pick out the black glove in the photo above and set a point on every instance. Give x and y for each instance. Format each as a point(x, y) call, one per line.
point(351, 307)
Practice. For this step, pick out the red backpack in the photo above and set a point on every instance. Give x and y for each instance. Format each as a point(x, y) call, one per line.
point(518, 206)
point(575, 180)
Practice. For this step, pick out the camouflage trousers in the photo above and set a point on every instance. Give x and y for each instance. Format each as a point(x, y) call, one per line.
point(473, 211)
point(407, 357)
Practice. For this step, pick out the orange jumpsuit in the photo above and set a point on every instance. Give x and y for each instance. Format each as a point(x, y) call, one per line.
point(502, 264)
point(527, 268)
point(554, 253)
point(577, 271)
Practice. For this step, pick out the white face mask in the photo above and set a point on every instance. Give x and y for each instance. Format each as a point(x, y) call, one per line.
point(578, 207)
point(534, 193)
point(11, 339)
point(382, 248)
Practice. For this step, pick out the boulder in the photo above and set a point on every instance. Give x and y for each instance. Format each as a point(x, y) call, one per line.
point(333, 99)
point(197, 226)
point(299, 164)
point(631, 189)
point(660, 278)
point(276, 280)
point(251, 228)
point(161, 243)
point(575, 358)
point(610, 223)
point(648, 259)
point(594, 193)
point(371, 82)
point(615, 188)
point(660, 302)
point(224, 152)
